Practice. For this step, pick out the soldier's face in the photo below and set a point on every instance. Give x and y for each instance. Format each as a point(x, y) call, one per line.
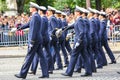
point(76, 13)
point(49, 13)
point(83, 14)
point(31, 9)
point(89, 15)
point(40, 12)
point(100, 17)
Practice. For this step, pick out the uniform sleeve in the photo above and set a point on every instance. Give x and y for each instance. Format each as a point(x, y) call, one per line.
point(81, 30)
point(102, 29)
point(53, 24)
point(65, 23)
point(69, 27)
point(61, 25)
point(36, 25)
point(92, 28)
point(25, 26)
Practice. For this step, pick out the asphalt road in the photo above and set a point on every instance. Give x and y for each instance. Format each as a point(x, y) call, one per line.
point(11, 66)
point(11, 59)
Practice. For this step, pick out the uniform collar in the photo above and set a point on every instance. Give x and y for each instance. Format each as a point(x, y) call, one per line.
point(102, 19)
point(34, 12)
point(42, 15)
point(91, 18)
point(78, 17)
point(85, 17)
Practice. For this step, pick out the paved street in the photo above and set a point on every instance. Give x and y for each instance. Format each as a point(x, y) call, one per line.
point(11, 64)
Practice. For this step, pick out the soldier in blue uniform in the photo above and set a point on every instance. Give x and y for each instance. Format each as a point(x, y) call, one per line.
point(65, 24)
point(104, 38)
point(62, 38)
point(34, 44)
point(46, 43)
point(96, 15)
point(89, 45)
point(94, 38)
point(52, 26)
point(79, 47)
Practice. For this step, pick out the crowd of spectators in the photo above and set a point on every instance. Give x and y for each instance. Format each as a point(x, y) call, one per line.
point(113, 16)
point(9, 22)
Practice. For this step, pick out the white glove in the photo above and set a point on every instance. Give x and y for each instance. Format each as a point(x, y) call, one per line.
point(69, 35)
point(50, 38)
point(76, 45)
point(58, 33)
point(13, 30)
point(30, 46)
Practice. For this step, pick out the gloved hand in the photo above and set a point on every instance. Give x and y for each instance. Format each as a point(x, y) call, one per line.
point(30, 46)
point(68, 36)
point(76, 45)
point(58, 33)
point(50, 38)
point(13, 29)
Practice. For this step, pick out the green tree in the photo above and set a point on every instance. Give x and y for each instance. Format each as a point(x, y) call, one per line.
point(61, 4)
point(110, 3)
point(3, 6)
point(45, 2)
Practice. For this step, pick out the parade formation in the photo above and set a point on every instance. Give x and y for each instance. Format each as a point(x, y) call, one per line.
point(48, 39)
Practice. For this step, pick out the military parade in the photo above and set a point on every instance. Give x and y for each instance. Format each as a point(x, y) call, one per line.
point(60, 39)
point(50, 31)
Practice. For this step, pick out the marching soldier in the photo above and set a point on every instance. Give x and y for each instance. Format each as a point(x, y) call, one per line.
point(65, 24)
point(104, 38)
point(34, 44)
point(94, 38)
point(79, 47)
point(62, 38)
point(89, 45)
point(46, 43)
point(96, 15)
point(52, 26)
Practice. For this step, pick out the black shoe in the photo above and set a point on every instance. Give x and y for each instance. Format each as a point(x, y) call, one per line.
point(78, 71)
point(65, 74)
point(113, 62)
point(59, 69)
point(19, 76)
point(86, 75)
point(118, 72)
point(104, 64)
point(94, 71)
point(31, 72)
point(43, 77)
point(50, 72)
point(66, 65)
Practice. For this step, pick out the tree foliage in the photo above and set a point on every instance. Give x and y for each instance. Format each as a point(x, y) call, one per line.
point(60, 4)
point(111, 3)
point(3, 6)
point(23, 5)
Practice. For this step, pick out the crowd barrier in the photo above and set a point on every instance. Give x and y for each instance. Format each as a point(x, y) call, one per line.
point(115, 37)
point(20, 38)
point(17, 38)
